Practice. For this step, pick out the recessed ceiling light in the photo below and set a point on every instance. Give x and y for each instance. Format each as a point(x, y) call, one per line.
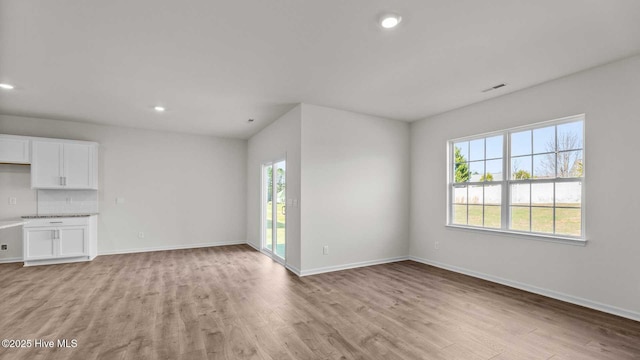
point(6, 86)
point(389, 21)
point(159, 108)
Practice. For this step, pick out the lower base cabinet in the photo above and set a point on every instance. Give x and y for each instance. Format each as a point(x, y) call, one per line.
point(60, 240)
point(39, 243)
point(74, 241)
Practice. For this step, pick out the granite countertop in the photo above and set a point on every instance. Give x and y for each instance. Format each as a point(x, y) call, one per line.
point(51, 216)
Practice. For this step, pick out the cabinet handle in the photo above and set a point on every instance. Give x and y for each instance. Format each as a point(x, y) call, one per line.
point(55, 222)
point(61, 183)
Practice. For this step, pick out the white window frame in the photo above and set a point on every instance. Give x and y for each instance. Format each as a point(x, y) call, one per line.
point(507, 181)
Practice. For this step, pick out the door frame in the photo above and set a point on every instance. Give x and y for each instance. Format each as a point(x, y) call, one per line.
point(272, 253)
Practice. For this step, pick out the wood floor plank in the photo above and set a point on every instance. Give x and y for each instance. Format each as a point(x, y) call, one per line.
point(232, 302)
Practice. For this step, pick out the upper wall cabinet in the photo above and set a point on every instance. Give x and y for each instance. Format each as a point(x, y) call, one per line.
point(59, 164)
point(14, 149)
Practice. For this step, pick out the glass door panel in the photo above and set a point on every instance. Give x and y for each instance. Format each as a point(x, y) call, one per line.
point(267, 207)
point(280, 208)
point(274, 209)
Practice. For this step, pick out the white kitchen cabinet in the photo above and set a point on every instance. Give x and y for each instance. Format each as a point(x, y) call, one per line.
point(60, 164)
point(39, 243)
point(15, 149)
point(60, 240)
point(73, 241)
point(46, 168)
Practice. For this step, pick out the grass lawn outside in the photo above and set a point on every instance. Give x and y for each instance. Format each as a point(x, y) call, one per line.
point(280, 229)
point(538, 219)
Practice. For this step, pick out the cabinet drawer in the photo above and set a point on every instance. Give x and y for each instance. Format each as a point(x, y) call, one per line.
point(74, 221)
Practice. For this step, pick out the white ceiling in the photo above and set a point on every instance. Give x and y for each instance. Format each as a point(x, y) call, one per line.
point(215, 63)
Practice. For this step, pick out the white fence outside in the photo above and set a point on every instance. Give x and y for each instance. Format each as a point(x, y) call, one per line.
point(542, 194)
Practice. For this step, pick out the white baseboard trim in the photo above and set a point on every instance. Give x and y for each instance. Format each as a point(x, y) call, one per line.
point(261, 251)
point(536, 290)
point(293, 269)
point(289, 267)
point(11, 260)
point(56, 261)
point(171, 247)
point(352, 265)
point(253, 246)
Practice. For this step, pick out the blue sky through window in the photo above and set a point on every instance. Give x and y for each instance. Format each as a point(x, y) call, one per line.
point(521, 143)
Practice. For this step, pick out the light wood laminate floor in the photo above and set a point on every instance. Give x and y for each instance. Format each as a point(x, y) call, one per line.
point(232, 302)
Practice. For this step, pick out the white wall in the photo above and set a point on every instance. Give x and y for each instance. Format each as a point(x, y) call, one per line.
point(605, 272)
point(180, 190)
point(355, 188)
point(279, 140)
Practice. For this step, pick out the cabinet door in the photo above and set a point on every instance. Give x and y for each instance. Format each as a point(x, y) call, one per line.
point(46, 165)
point(73, 242)
point(79, 167)
point(14, 150)
point(39, 243)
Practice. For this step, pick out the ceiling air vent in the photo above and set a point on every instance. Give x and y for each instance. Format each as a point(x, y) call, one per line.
point(494, 88)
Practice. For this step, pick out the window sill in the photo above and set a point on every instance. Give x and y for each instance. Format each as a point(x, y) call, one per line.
point(539, 237)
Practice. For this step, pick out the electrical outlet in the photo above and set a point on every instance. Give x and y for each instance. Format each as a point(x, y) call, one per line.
point(3, 247)
point(13, 201)
point(325, 250)
point(141, 235)
point(119, 200)
point(436, 245)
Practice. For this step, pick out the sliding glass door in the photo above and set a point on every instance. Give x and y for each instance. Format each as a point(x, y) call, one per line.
point(274, 209)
